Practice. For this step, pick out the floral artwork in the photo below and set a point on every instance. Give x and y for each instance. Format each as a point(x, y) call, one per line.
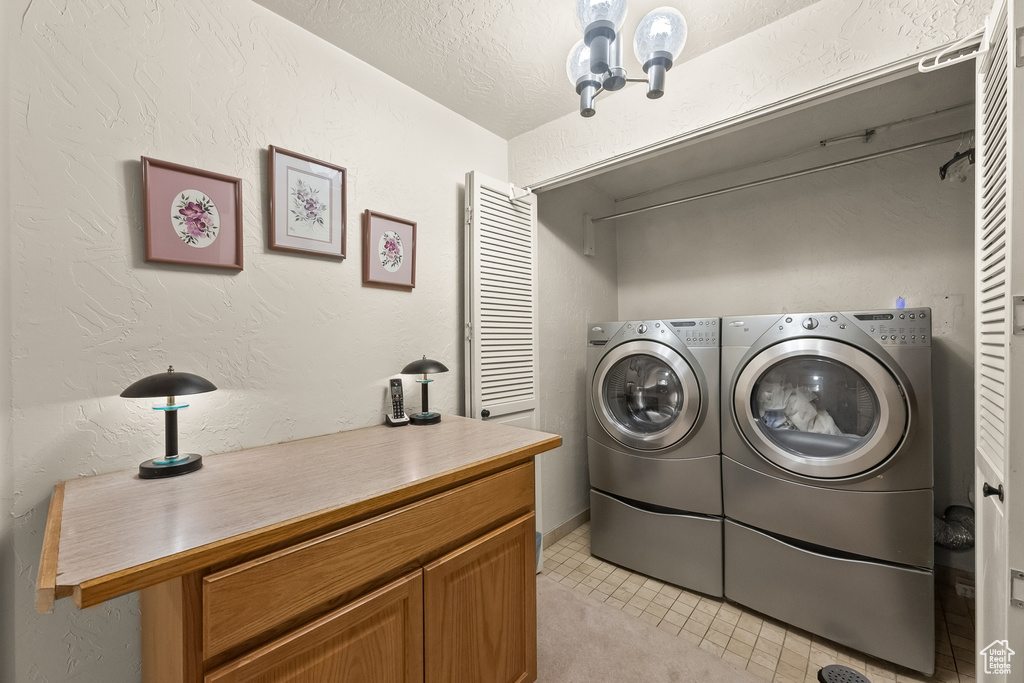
point(307, 208)
point(307, 204)
point(195, 218)
point(390, 251)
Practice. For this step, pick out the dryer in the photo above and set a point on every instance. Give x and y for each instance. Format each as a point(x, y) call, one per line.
point(827, 476)
point(653, 446)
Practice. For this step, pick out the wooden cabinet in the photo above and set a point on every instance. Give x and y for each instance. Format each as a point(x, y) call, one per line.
point(378, 556)
point(377, 639)
point(481, 610)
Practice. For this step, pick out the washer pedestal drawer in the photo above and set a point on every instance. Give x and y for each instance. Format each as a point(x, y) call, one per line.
point(881, 609)
point(684, 550)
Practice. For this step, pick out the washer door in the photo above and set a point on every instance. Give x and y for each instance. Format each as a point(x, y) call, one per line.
point(820, 408)
point(645, 395)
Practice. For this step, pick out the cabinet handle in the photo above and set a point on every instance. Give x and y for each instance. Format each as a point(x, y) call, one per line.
point(987, 491)
point(486, 414)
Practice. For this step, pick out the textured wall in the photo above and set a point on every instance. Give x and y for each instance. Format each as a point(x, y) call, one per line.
point(847, 239)
point(296, 345)
point(575, 290)
point(820, 44)
point(6, 464)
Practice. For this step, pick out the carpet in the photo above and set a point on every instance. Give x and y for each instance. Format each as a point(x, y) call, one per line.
point(581, 640)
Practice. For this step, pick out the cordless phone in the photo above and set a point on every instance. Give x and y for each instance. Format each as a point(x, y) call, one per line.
point(397, 416)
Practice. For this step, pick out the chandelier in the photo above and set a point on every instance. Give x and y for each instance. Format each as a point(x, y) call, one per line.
point(595, 63)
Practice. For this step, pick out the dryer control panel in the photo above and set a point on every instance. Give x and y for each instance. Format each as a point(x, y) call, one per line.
point(900, 327)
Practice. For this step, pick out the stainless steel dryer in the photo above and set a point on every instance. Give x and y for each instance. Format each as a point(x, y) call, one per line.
point(827, 476)
point(653, 442)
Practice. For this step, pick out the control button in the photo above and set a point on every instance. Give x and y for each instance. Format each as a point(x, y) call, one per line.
point(657, 324)
point(921, 315)
point(913, 336)
point(922, 337)
point(789, 320)
point(834, 318)
point(903, 336)
point(842, 326)
point(641, 328)
point(911, 316)
point(810, 324)
point(883, 337)
point(903, 316)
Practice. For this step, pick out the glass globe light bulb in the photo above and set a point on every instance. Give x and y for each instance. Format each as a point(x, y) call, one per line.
point(662, 30)
point(589, 11)
point(578, 64)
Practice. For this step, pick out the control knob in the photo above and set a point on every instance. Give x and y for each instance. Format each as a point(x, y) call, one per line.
point(810, 323)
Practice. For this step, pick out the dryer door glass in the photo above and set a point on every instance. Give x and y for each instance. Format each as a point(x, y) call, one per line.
point(815, 407)
point(645, 395)
point(820, 408)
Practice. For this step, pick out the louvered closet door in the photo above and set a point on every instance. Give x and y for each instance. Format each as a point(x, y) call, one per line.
point(999, 360)
point(501, 306)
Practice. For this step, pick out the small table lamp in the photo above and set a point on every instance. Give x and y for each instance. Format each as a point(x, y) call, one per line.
point(169, 384)
point(424, 367)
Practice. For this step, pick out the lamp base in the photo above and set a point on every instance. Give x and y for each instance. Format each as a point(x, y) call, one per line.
point(425, 418)
point(160, 468)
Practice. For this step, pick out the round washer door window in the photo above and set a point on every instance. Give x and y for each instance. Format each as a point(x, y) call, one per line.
point(820, 408)
point(646, 395)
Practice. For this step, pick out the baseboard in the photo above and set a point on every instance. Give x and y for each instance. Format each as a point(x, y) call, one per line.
point(565, 528)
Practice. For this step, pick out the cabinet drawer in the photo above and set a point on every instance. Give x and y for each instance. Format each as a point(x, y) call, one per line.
point(377, 639)
point(245, 601)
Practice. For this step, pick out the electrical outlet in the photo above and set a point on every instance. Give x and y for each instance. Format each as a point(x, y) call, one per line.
point(964, 589)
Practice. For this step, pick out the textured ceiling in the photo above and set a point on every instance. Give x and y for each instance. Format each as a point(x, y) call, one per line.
point(501, 63)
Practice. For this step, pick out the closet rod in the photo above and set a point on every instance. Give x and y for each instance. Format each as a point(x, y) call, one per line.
point(787, 176)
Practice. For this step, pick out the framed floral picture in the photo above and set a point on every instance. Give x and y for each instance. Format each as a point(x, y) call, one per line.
point(307, 204)
point(192, 217)
point(389, 251)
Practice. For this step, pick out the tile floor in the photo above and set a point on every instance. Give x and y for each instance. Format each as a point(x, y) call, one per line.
point(767, 648)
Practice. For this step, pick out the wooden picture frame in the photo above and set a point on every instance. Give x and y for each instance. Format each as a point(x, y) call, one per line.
point(191, 216)
point(389, 251)
point(307, 204)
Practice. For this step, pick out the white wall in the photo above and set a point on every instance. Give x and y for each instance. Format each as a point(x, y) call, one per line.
point(822, 44)
point(575, 290)
point(6, 467)
point(295, 344)
point(847, 239)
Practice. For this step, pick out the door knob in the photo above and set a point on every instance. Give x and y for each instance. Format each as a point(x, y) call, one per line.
point(987, 491)
point(486, 414)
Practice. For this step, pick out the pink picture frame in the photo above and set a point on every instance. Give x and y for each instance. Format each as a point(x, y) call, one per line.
point(307, 204)
point(389, 251)
point(191, 216)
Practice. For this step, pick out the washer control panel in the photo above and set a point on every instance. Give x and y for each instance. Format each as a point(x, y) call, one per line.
point(697, 332)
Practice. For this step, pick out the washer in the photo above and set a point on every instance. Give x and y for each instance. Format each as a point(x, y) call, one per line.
point(827, 476)
point(653, 444)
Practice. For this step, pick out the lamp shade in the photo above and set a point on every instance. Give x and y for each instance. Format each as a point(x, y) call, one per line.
point(589, 11)
point(424, 366)
point(168, 383)
point(662, 30)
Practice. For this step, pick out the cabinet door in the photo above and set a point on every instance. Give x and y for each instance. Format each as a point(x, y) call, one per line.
point(480, 610)
point(376, 639)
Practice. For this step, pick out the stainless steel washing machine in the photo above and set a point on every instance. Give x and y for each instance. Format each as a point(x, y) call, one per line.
point(653, 442)
point(827, 476)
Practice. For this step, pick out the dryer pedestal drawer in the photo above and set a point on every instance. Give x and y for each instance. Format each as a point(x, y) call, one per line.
point(883, 610)
point(895, 526)
point(684, 550)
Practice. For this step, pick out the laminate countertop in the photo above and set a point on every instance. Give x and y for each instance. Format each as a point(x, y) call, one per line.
point(111, 534)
